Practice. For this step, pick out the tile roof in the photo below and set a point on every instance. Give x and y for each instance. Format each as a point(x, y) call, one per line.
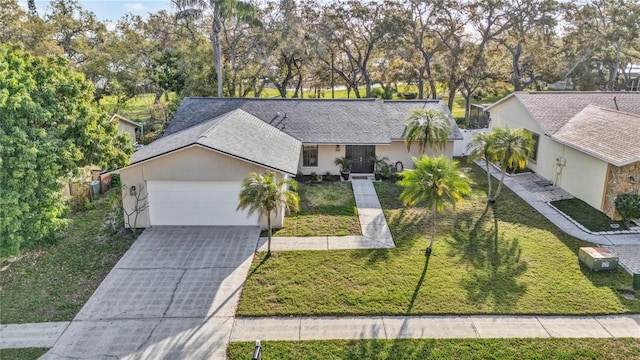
point(553, 109)
point(315, 121)
point(237, 133)
point(610, 135)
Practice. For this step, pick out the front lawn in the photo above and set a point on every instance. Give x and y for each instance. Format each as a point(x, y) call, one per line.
point(52, 283)
point(586, 215)
point(506, 259)
point(406, 349)
point(325, 209)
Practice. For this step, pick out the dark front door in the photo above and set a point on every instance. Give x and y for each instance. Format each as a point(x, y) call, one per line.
point(361, 157)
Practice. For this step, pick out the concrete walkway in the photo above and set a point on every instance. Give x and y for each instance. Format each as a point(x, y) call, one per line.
point(43, 335)
point(375, 231)
point(625, 245)
point(418, 327)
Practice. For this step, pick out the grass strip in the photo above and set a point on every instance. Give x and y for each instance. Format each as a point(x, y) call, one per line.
point(461, 349)
point(52, 283)
point(586, 215)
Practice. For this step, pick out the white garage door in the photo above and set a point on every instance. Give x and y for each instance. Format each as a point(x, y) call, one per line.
point(196, 203)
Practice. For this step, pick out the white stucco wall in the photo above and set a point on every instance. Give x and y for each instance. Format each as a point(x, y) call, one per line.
point(395, 151)
point(583, 176)
point(190, 164)
point(326, 156)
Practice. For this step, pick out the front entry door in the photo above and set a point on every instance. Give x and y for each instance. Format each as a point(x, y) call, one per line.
point(361, 157)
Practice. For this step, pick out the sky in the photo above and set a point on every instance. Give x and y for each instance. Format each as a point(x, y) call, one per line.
point(111, 9)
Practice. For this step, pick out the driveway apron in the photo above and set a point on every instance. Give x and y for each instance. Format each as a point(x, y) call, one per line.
point(173, 295)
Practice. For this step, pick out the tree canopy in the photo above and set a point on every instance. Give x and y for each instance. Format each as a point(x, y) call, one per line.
point(49, 126)
point(435, 47)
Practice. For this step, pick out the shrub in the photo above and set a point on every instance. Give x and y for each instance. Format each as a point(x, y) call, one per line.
point(628, 206)
point(115, 181)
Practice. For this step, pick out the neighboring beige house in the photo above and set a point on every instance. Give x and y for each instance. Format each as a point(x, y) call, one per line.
point(587, 143)
point(192, 175)
point(127, 126)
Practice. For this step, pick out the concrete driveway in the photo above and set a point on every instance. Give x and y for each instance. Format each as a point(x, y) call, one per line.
point(171, 296)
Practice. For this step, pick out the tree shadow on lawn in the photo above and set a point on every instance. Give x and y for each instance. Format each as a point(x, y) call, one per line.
point(495, 260)
point(399, 349)
point(407, 227)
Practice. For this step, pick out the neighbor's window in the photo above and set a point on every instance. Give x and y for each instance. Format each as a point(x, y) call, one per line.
point(310, 155)
point(536, 141)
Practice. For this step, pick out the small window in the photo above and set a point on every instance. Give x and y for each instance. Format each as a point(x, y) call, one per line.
point(536, 141)
point(310, 155)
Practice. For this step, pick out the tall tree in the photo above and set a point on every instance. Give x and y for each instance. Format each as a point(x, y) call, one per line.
point(422, 37)
point(434, 182)
point(430, 128)
point(356, 28)
point(512, 148)
point(268, 196)
point(533, 24)
point(49, 126)
point(219, 10)
point(602, 38)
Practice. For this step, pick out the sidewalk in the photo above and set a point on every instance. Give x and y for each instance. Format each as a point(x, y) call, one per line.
point(375, 231)
point(418, 327)
point(385, 327)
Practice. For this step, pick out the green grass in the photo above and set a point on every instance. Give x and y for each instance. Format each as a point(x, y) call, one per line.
point(325, 209)
point(22, 354)
point(135, 109)
point(52, 283)
point(505, 259)
point(407, 349)
point(585, 214)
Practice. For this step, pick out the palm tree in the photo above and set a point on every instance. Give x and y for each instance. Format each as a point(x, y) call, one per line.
point(513, 149)
point(220, 10)
point(429, 127)
point(482, 147)
point(265, 194)
point(434, 182)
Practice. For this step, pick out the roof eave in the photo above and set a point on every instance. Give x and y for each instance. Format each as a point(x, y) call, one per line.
point(593, 154)
point(140, 162)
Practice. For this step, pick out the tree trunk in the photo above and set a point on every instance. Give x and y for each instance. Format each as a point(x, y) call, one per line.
point(269, 231)
point(433, 229)
point(487, 165)
point(217, 55)
point(495, 197)
point(432, 82)
point(452, 94)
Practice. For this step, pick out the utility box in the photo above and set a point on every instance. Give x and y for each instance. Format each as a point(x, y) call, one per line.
point(597, 258)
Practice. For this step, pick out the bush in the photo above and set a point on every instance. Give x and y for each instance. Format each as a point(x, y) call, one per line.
point(115, 181)
point(628, 206)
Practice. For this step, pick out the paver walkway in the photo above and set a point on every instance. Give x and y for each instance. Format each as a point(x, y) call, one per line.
point(375, 231)
point(626, 246)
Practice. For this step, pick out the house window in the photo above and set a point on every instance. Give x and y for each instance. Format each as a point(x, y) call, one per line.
point(536, 141)
point(310, 155)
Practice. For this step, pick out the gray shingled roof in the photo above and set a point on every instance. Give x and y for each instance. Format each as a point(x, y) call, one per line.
point(364, 121)
point(554, 109)
point(236, 133)
point(610, 135)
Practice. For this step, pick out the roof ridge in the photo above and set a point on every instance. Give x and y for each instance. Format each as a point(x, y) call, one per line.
point(611, 110)
point(282, 99)
point(220, 118)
